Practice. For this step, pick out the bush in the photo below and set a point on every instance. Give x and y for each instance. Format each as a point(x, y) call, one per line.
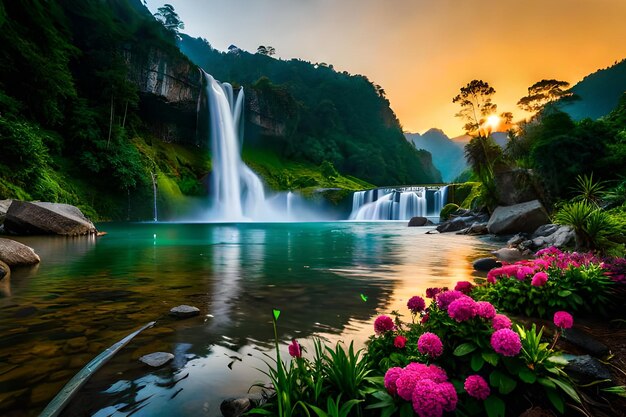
point(447, 210)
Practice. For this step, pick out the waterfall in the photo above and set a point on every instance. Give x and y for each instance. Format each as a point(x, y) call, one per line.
point(236, 192)
point(398, 203)
point(289, 203)
point(154, 193)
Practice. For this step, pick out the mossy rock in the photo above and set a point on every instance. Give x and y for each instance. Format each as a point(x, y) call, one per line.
point(447, 210)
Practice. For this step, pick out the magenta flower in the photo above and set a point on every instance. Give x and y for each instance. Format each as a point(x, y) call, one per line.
point(523, 272)
point(539, 279)
point(406, 383)
point(448, 393)
point(383, 324)
point(462, 309)
point(436, 374)
point(464, 286)
point(425, 318)
point(445, 298)
point(432, 292)
point(477, 387)
point(422, 371)
point(391, 376)
point(427, 399)
point(399, 342)
point(563, 319)
point(418, 368)
point(416, 304)
point(506, 342)
point(430, 344)
point(500, 321)
point(295, 350)
point(485, 310)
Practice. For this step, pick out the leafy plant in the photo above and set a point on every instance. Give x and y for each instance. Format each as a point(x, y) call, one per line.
point(588, 190)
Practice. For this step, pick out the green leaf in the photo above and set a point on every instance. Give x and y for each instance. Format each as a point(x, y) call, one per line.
point(406, 410)
point(494, 406)
point(477, 362)
point(527, 376)
point(464, 349)
point(276, 314)
point(546, 382)
point(556, 400)
point(318, 411)
point(558, 359)
point(567, 388)
point(564, 293)
point(491, 357)
point(260, 411)
point(504, 383)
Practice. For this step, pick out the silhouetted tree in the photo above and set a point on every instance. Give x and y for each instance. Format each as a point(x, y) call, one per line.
point(169, 18)
point(266, 50)
point(542, 93)
point(476, 105)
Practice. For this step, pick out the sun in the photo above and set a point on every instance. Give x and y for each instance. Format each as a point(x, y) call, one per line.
point(493, 122)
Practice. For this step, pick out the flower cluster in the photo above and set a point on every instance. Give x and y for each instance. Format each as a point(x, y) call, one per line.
point(477, 387)
point(426, 386)
point(563, 319)
point(383, 324)
point(462, 309)
point(506, 342)
point(416, 304)
point(430, 344)
point(445, 298)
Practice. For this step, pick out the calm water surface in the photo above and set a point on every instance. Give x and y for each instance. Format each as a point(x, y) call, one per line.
point(88, 293)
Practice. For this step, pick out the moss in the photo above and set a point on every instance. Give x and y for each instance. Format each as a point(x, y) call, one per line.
point(464, 194)
point(447, 210)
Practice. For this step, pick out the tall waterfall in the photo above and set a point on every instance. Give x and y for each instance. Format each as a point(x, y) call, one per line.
point(398, 203)
point(236, 192)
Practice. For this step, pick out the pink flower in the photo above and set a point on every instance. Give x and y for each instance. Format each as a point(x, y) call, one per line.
point(383, 324)
point(436, 374)
point(391, 376)
point(425, 318)
point(563, 319)
point(430, 344)
point(464, 286)
point(539, 279)
point(399, 342)
point(485, 310)
point(523, 271)
point(448, 393)
point(506, 342)
point(295, 350)
point(500, 321)
point(445, 298)
point(477, 387)
point(428, 400)
point(462, 309)
point(432, 292)
point(406, 383)
point(416, 304)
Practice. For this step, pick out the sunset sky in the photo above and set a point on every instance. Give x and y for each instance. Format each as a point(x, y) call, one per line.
point(422, 51)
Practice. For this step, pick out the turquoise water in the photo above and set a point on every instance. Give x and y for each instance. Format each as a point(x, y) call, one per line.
point(88, 293)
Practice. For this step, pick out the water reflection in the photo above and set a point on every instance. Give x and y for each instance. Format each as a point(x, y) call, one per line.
point(86, 295)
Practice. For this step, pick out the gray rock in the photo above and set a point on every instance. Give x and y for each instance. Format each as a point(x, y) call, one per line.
point(586, 369)
point(524, 217)
point(561, 237)
point(586, 342)
point(418, 221)
point(4, 206)
point(184, 311)
point(545, 230)
point(235, 407)
point(156, 359)
point(452, 226)
point(14, 253)
point(509, 254)
point(516, 240)
point(25, 218)
point(5, 271)
point(486, 264)
point(477, 229)
point(517, 186)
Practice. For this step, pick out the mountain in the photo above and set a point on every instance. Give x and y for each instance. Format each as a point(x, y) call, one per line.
point(447, 155)
point(325, 115)
point(599, 93)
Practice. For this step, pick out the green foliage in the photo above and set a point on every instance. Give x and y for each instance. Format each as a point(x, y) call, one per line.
point(588, 190)
point(475, 101)
point(578, 288)
point(595, 228)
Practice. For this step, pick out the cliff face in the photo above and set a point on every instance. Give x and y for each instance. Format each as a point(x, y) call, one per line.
point(260, 116)
point(169, 87)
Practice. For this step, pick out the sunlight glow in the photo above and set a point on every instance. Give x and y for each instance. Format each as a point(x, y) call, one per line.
point(493, 122)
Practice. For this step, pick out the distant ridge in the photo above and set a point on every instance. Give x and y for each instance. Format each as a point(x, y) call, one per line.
point(599, 93)
point(447, 154)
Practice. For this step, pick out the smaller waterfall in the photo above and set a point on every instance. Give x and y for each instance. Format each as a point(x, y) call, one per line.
point(399, 203)
point(289, 203)
point(154, 193)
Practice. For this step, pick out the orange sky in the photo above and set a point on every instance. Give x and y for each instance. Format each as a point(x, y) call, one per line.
point(422, 51)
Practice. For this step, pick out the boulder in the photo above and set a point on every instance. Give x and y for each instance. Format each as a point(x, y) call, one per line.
point(545, 230)
point(486, 264)
point(4, 206)
point(586, 342)
point(477, 229)
point(5, 271)
point(509, 254)
point(561, 237)
point(524, 217)
point(184, 311)
point(235, 407)
point(25, 218)
point(517, 186)
point(452, 226)
point(156, 359)
point(586, 369)
point(418, 221)
point(14, 253)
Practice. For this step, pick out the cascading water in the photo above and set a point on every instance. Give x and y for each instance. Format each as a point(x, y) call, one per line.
point(236, 192)
point(398, 204)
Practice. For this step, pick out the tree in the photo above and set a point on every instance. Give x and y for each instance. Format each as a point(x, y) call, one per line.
point(169, 18)
point(266, 50)
point(476, 105)
point(543, 93)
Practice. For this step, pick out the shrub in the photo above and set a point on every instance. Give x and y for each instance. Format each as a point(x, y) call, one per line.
point(447, 210)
